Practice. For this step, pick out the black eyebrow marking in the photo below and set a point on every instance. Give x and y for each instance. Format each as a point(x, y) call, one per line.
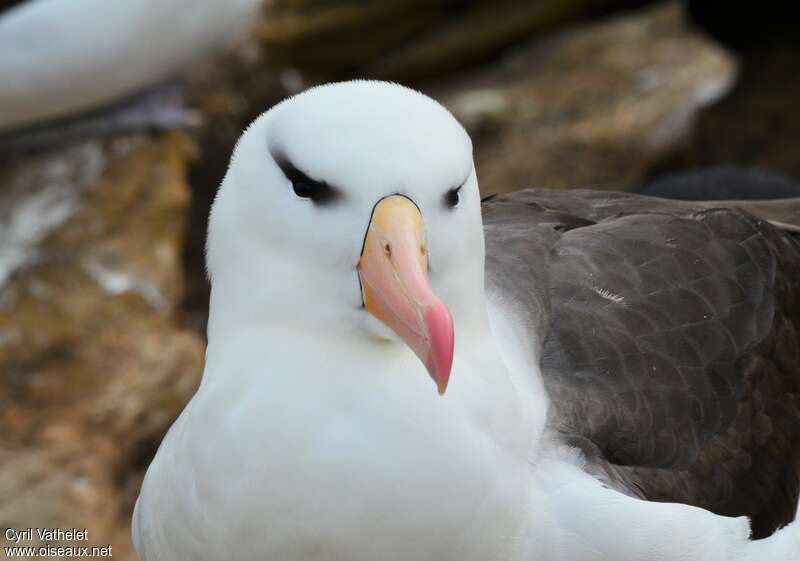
point(451, 198)
point(320, 192)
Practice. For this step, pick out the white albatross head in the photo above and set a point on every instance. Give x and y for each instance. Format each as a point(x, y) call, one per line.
point(352, 208)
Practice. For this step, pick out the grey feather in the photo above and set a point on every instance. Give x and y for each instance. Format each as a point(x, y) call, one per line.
point(670, 340)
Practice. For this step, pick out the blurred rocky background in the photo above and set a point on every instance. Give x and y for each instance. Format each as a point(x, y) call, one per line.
point(103, 297)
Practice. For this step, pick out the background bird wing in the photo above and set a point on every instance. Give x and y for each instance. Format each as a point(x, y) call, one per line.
point(671, 346)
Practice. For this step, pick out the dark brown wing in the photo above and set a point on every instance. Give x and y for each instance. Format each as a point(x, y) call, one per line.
point(672, 341)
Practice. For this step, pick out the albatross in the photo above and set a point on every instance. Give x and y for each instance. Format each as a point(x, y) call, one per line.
point(396, 371)
point(61, 57)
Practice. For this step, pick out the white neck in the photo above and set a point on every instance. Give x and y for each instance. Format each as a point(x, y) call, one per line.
point(453, 463)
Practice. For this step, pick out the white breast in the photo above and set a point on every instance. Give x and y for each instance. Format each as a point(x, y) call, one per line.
point(313, 470)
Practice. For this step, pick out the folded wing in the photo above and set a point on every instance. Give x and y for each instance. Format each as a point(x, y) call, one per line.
point(670, 341)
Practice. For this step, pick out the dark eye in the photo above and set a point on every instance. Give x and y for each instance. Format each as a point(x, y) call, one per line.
point(306, 188)
point(452, 197)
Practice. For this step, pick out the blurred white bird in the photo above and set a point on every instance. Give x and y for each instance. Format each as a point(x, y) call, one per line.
point(62, 57)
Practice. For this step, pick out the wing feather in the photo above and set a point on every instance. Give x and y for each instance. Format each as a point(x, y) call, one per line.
point(671, 346)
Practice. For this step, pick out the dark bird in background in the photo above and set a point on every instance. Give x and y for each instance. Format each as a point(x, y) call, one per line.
point(722, 183)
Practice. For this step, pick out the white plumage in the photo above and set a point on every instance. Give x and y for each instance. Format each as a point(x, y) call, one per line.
point(58, 57)
point(316, 433)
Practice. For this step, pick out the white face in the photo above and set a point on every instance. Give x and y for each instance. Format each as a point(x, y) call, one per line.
point(290, 220)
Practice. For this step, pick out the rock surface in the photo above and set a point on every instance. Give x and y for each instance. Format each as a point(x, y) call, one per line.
point(94, 365)
point(593, 106)
point(409, 39)
point(757, 125)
